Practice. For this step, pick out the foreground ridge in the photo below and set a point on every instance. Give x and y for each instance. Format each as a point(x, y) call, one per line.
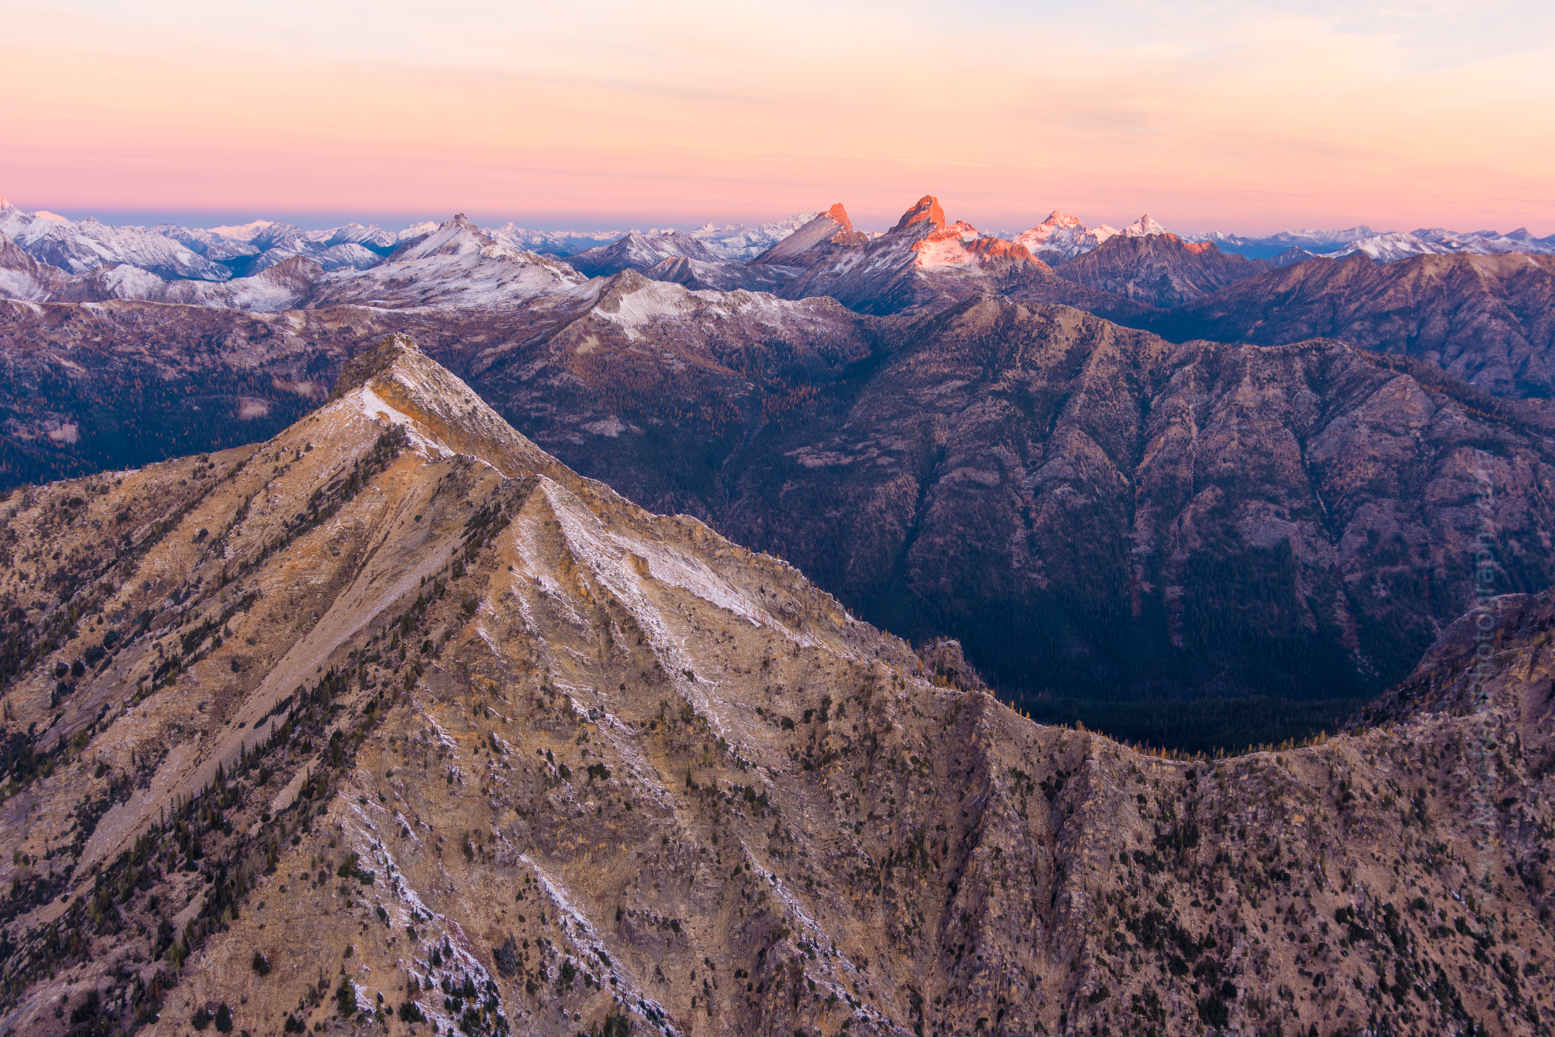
point(392, 723)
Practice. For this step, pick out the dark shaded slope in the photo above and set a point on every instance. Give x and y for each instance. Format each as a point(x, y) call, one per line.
point(1158, 269)
point(1488, 320)
point(1095, 511)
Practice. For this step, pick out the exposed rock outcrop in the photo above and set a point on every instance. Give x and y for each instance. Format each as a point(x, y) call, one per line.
point(373, 733)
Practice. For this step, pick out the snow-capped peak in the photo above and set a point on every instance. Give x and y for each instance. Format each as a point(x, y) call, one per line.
point(1061, 237)
point(246, 232)
point(1143, 228)
point(456, 237)
point(1058, 218)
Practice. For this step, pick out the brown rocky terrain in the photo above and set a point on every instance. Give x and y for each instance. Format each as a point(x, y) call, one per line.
point(1093, 511)
point(393, 724)
point(1488, 320)
point(1158, 269)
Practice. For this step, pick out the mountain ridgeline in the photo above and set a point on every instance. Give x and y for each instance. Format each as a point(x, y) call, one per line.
point(394, 724)
point(1190, 498)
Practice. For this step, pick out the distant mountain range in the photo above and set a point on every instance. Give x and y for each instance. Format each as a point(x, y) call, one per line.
point(174, 252)
point(1485, 318)
point(1382, 246)
point(1138, 440)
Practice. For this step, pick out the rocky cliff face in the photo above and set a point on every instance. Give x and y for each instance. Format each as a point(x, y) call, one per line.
point(394, 724)
point(1488, 320)
point(638, 251)
point(1091, 510)
point(925, 263)
point(23, 277)
point(1158, 268)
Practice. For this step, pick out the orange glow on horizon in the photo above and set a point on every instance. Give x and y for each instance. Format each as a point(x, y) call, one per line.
point(1298, 124)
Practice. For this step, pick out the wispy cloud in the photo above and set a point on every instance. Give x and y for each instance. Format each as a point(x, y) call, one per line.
point(1251, 115)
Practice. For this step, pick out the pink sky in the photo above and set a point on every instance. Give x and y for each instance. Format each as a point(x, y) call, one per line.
point(1249, 117)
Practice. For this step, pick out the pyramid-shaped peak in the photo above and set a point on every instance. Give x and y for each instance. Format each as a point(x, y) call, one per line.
point(927, 209)
point(1143, 227)
point(829, 228)
point(397, 382)
point(454, 237)
point(377, 361)
point(1059, 218)
point(839, 215)
point(420, 388)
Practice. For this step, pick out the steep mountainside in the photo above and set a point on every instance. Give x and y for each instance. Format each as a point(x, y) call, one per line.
point(1091, 510)
point(1486, 319)
point(1061, 237)
point(1489, 320)
point(126, 382)
point(23, 277)
point(1096, 511)
point(455, 266)
point(925, 263)
point(815, 242)
point(1158, 269)
point(81, 247)
point(1391, 247)
point(639, 251)
point(394, 724)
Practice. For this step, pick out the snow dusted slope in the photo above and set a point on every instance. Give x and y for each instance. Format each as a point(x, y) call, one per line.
point(356, 234)
point(80, 247)
point(213, 246)
point(639, 250)
point(922, 261)
point(1384, 247)
point(740, 241)
point(730, 242)
point(1061, 237)
point(23, 277)
point(249, 248)
point(455, 266)
point(348, 255)
point(457, 237)
point(1388, 248)
point(169, 252)
point(552, 242)
point(812, 243)
point(1058, 239)
point(1143, 227)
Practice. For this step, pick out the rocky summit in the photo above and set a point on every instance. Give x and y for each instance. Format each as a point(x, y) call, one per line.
point(394, 724)
point(1096, 513)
